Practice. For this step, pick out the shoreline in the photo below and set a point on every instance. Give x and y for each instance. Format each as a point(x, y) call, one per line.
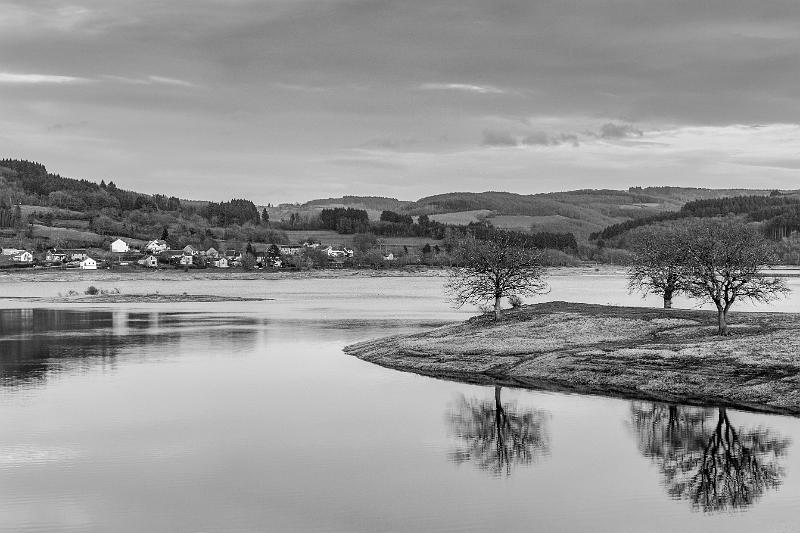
point(636, 353)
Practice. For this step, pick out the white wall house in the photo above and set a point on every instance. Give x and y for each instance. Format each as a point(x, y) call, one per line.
point(120, 247)
point(24, 257)
point(12, 251)
point(88, 264)
point(221, 263)
point(187, 260)
point(155, 247)
point(150, 261)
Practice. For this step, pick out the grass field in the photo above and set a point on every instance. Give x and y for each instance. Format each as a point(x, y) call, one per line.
point(461, 217)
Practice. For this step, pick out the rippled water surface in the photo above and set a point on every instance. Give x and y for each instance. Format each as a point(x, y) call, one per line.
point(248, 417)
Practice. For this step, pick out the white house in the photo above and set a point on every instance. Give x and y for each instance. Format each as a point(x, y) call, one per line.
point(88, 264)
point(212, 252)
point(187, 259)
point(12, 251)
point(290, 249)
point(150, 261)
point(389, 257)
point(221, 263)
point(155, 247)
point(333, 253)
point(120, 247)
point(24, 257)
point(189, 249)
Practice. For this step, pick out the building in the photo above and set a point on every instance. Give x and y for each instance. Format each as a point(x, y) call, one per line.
point(212, 252)
point(156, 247)
point(290, 249)
point(75, 254)
point(220, 263)
point(55, 256)
point(150, 261)
point(187, 259)
point(88, 264)
point(189, 250)
point(23, 257)
point(120, 247)
point(12, 251)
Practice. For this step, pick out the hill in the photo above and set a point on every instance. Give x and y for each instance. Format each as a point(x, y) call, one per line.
point(580, 212)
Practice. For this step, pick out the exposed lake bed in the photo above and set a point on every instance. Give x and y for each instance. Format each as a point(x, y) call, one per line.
point(656, 354)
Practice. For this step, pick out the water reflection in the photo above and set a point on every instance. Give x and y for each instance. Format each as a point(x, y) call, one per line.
point(37, 343)
point(705, 459)
point(497, 436)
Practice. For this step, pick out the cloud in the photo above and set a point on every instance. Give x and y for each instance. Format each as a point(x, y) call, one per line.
point(618, 131)
point(498, 138)
point(540, 138)
point(148, 80)
point(34, 79)
point(463, 87)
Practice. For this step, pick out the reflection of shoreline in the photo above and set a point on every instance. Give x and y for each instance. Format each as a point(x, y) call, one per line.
point(497, 436)
point(703, 458)
point(36, 343)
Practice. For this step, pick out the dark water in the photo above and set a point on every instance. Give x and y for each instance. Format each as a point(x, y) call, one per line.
point(238, 420)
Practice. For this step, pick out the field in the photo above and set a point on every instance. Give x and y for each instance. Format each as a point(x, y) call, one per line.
point(461, 217)
point(336, 239)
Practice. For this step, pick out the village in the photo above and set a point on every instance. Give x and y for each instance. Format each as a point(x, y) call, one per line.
point(157, 254)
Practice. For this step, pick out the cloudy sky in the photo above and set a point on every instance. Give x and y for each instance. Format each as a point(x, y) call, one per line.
point(289, 100)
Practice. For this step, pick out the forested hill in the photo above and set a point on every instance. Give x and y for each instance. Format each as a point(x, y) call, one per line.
point(581, 212)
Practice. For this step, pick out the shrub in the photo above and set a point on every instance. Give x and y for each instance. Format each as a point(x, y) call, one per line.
point(92, 290)
point(515, 301)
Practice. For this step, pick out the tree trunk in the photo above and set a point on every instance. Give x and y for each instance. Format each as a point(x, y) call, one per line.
point(722, 317)
point(667, 301)
point(498, 312)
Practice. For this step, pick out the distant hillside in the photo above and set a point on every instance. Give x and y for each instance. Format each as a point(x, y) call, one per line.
point(581, 212)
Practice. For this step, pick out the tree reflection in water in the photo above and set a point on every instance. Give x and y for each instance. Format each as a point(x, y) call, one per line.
point(705, 459)
point(497, 436)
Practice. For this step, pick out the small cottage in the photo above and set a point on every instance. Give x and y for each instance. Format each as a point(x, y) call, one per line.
point(88, 264)
point(221, 263)
point(23, 257)
point(187, 260)
point(155, 247)
point(150, 261)
point(212, 252)
point(55, 256)
point(120, 247)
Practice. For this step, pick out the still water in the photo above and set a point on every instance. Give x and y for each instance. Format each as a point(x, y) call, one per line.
point(247, 417)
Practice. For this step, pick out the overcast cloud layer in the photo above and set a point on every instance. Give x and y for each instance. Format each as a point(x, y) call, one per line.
point(288, 100)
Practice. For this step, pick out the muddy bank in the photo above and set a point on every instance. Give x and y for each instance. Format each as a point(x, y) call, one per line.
point(655, 354)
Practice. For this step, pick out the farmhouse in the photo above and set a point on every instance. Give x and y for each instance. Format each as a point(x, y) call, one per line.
point(150, 261)
point(290, 249)
point(155, 247)
point(120, 247)
point(55, 256)
point(88, 264)
point(23, 257)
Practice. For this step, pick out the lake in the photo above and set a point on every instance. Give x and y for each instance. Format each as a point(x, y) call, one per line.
point(247, 417)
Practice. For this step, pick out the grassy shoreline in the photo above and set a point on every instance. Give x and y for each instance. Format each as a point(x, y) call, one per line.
point(643, 353)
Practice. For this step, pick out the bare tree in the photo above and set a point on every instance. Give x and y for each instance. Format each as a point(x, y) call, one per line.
point(659, 263)
point(497, 436)
point(724, 263)
point(705, 459)
point(493, 269)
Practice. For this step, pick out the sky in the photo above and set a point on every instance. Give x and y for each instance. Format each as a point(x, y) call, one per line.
point(290, 100)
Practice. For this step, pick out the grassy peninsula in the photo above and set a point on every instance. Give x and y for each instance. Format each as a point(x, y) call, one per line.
point(669, 355)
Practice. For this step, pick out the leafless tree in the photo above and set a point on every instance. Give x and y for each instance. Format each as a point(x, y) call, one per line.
point(725, 260)
point(493, 269)
point(706, 460)
point(497, 436)
point(659, 263)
